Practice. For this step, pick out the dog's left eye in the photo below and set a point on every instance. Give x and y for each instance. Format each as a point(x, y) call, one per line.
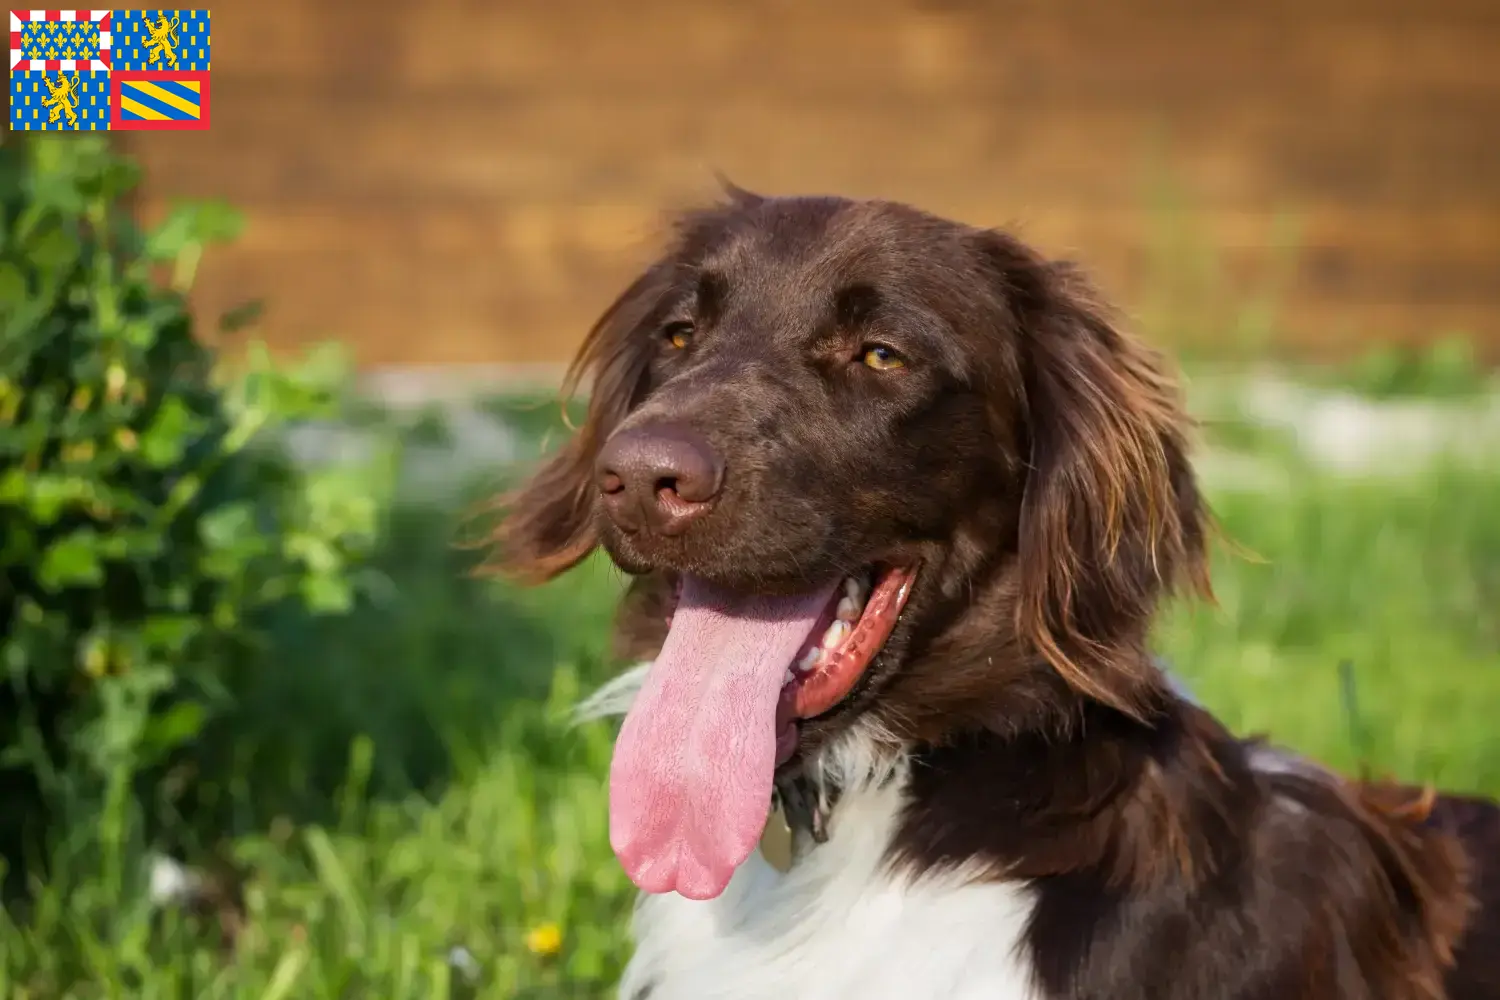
point(679, 335)
point(881, 358)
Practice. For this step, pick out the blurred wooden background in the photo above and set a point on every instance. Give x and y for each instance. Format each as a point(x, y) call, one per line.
point(469, 181)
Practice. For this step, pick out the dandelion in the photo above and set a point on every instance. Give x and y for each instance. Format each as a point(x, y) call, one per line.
point(544, 940)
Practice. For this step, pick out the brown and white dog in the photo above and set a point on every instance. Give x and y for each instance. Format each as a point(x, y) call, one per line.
point(900, 501)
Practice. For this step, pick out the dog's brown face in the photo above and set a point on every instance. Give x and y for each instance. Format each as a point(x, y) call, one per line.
point(867, 463)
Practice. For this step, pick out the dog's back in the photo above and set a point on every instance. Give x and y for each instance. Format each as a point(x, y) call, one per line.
point(1476, 824)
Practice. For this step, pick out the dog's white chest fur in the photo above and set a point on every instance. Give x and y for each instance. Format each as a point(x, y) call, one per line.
point(838, 926)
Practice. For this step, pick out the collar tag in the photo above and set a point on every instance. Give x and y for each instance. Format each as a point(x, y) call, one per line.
point(798, 820)
point(776, 840)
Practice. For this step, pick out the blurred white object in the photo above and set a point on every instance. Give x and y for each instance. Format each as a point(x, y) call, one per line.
point(172, 882)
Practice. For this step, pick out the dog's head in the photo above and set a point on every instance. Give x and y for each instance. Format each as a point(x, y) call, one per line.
point(875, 468)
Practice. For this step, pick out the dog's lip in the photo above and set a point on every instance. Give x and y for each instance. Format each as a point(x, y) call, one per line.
point(826, 687)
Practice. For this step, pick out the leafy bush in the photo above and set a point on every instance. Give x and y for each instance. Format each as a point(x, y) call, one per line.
point(147, 521)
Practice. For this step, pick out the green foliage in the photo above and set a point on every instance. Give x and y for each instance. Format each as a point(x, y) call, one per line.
point(1448, 367)
point(147, 522)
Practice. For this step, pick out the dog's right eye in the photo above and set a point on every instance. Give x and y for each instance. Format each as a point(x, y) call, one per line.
point(679, 335)
point(881, 358)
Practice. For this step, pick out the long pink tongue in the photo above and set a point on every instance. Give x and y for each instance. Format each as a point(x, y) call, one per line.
point(690, 783)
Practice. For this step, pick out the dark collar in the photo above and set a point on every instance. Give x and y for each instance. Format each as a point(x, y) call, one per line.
point(799, 818)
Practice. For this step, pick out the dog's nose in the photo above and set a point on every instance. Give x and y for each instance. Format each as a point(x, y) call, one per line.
point(659, 477)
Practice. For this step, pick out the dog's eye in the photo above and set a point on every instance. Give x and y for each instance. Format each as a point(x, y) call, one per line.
point(881, 358)
point(679, 334)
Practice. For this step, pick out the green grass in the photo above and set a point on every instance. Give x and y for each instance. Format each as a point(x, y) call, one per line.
point(403, 782)
point(1401, 581)
point(1447, 368)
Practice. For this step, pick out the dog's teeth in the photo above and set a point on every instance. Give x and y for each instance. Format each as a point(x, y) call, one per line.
point(848, 610)
point(836, 634)
point(789, 676)
point(809, 659)
point(852, 588)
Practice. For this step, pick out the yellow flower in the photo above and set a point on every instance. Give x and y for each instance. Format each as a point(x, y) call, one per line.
point(544, 940)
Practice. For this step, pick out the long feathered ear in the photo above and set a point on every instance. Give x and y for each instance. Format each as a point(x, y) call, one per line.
point(1111, 515)
point(547, 526)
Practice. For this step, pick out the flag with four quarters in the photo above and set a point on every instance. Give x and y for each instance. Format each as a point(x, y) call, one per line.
point(99, 70)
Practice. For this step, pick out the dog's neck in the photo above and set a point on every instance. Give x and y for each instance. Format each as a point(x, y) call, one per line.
point(809, 788)
point(1084, 787)
point(1044, 793)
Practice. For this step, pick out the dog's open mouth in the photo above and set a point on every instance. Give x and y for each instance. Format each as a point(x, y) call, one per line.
point(694, 763)
point(856, 623)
